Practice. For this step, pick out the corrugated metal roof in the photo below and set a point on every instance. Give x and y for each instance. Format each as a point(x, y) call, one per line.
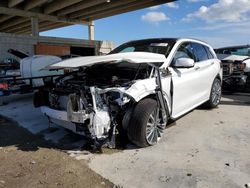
point(15, 14)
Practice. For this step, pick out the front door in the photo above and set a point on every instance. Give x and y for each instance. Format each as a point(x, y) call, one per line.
point(186, 92)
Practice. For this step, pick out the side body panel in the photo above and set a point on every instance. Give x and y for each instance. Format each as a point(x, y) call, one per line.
point(192, 86)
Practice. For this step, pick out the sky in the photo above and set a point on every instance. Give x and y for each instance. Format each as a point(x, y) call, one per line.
point(218, 22)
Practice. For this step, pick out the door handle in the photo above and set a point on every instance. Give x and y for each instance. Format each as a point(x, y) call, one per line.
point(197, 68)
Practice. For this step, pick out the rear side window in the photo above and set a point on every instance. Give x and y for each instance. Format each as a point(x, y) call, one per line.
point(199, 52)
point(209, 53)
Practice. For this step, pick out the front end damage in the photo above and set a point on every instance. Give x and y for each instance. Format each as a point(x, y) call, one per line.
point(95, 102)
point(234, 75)
point(88, 111)
point(92, 112)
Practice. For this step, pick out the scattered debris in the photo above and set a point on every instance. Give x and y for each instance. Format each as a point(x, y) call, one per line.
point(102, 183)
point(247, 185)
point(117, 186)
point(42, 182)
point(2, 183)
point(227, 164)
point(32, 162)
point(189, 174)
point(164, 179)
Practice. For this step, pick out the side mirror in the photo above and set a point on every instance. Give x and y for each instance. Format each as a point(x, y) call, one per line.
point(184, 62)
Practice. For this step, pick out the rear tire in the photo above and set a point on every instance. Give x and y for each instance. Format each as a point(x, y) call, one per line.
point(215, 94)
point(146, 124)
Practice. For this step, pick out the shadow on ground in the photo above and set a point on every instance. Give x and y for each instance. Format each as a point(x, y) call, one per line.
point(11, 134)
point(28, 160)
point(242, 99)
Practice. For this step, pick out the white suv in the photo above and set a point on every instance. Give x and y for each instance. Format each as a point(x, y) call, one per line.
point(134, 90)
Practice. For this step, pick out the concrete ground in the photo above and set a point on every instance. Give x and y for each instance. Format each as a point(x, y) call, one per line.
point(205, 148)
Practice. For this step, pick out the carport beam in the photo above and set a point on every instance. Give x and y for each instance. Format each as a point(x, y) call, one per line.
point(91, 30)
point(34, 27)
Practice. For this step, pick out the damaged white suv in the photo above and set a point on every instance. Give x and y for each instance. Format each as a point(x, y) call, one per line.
point(138, 87)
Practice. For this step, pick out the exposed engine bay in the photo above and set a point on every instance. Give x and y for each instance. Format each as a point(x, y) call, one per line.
point(106, 75)
point(92, 100)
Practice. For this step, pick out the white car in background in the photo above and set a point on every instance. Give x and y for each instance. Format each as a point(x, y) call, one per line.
point(135, 89)
point(236, 67)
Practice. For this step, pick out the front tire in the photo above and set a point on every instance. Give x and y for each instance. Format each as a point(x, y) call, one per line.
point(147, 123)
point(215, 94)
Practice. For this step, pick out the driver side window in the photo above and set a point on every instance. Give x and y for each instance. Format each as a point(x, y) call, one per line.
point(185, 50)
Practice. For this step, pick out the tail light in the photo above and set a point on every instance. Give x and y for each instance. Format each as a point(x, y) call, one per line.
point(4, 86)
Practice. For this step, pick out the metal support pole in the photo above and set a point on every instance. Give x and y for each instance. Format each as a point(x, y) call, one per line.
point(91, 30)
point(34, 27)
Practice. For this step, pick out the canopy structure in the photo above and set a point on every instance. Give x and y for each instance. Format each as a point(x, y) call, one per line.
point(34, 16)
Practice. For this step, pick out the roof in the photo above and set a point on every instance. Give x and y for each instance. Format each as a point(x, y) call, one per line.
point(150, 40)
point(15, 15)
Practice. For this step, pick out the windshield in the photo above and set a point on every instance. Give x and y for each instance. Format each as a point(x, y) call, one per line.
point(244, 51)
point(152, 46)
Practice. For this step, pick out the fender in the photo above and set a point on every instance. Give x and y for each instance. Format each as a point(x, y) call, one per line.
point(143, 88)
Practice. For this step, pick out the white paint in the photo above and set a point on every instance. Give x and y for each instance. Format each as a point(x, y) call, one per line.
point(31, 67)
point(132, 57)
point(191, 85)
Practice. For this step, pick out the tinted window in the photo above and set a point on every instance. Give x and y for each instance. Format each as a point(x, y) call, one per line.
point(209, 53)
point(200, 52)
point(128, 49)
point(159, 47)
point(184, 51)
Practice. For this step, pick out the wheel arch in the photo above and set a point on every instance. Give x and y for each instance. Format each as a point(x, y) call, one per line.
point(219, 77)
point(153, 96)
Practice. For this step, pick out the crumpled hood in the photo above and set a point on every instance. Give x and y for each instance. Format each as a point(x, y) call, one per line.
point(236, 58)
point(132, 57)
point(227, 57)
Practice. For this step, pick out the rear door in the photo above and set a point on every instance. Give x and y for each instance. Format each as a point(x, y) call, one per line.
point(205, 68)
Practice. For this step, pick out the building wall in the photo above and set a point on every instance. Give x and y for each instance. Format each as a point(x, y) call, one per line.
point(27, 44)
point(47, 49)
